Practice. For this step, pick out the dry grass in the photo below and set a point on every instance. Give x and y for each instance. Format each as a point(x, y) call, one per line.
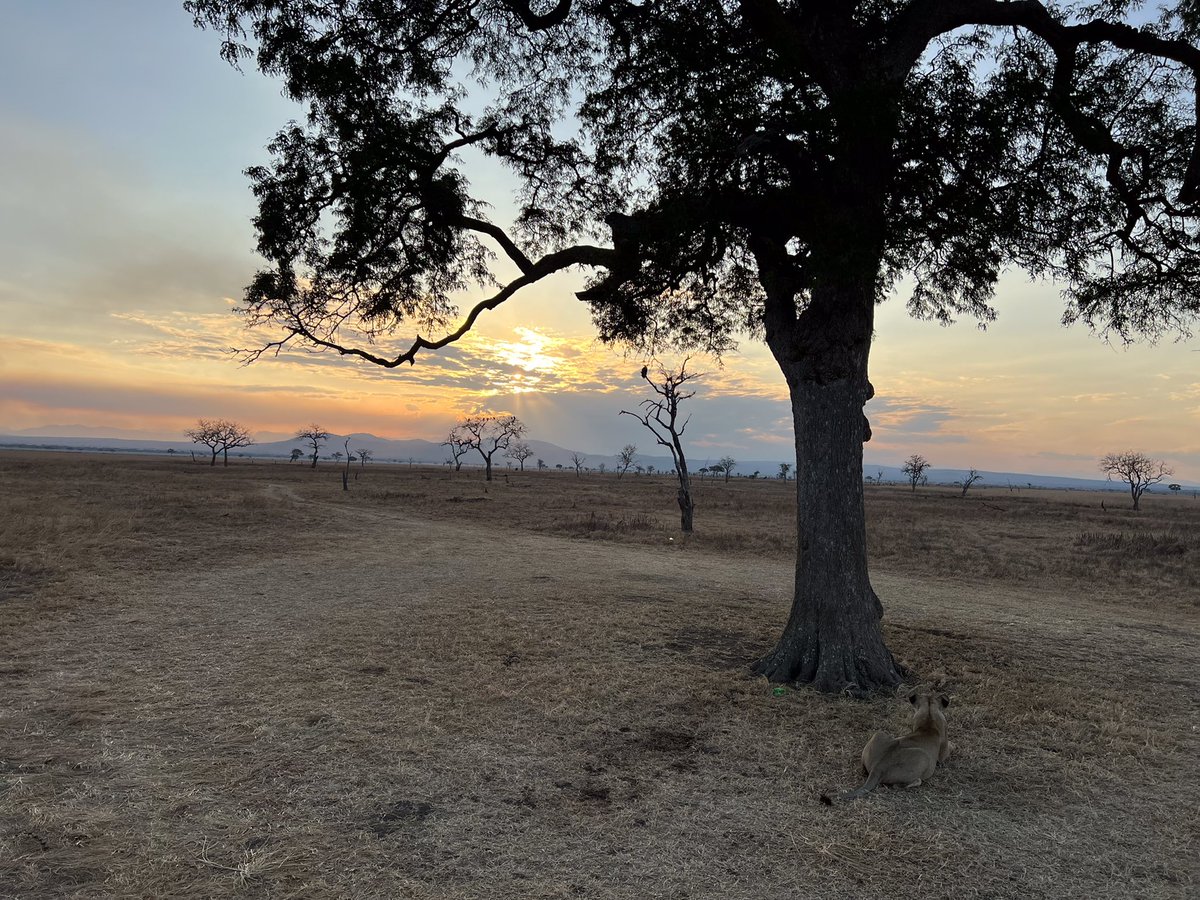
point(245, 683)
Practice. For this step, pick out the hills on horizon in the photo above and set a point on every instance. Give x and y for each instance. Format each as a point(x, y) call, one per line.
point(417, 451)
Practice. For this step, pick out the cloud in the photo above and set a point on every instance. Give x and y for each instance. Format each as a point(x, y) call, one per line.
point(904, 420)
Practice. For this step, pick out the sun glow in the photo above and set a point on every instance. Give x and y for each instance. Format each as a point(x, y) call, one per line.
point(529, 353)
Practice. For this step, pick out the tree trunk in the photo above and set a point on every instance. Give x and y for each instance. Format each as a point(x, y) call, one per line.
point(213, 461)
point(226, 456)
point(686, 510)
point(833, 639)
point(487, 467)
point(314, 462)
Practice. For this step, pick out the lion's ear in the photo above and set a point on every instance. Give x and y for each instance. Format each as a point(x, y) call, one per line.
point(945, 701)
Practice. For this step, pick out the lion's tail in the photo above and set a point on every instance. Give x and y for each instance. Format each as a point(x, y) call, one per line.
point(869, 785)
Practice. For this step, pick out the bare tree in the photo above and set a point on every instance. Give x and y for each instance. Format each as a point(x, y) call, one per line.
point(728, 464)
point(520, 451)
point(316, 436)
point(661, 415)
point(1137, 470)
point(914, 467)
point(489, 433)
point(577, 460)
point(602, 468)
point(458, 442)
point(208, 432)
point(625, 458)
point(364, 455)
point(220, 436)
point(969, 479)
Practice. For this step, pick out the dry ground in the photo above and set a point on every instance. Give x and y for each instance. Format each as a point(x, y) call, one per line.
point(247, 683)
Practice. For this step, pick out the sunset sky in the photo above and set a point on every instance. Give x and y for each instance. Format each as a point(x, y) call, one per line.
point(125, 236)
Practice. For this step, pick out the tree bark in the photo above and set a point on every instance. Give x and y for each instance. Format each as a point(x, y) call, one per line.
point(833, 639)
point(687, 509)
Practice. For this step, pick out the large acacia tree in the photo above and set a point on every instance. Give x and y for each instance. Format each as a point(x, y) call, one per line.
point(723, 167)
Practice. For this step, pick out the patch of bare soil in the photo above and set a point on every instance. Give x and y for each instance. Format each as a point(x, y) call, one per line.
point(356, 701)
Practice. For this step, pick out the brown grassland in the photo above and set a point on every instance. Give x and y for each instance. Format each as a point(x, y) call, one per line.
point(245, 682)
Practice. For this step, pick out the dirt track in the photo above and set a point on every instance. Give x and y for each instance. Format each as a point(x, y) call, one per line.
point(426, 708)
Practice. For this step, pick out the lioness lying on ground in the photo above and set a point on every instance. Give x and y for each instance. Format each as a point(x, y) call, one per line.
point(906, 760)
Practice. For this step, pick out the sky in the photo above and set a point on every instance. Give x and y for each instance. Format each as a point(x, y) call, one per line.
point(125, 239)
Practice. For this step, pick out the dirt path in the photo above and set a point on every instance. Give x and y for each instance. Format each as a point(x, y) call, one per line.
point(421, 708)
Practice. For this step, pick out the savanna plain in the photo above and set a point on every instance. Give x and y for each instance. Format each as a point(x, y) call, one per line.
point(247, 682)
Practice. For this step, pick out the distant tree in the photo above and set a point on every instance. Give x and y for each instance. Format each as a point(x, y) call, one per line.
point(541, 464)
point(660, 414)
point(1137, 470)
point(220, 436)
point(459, 443)
point(577, 460)
point(705, 470)
point(337, 455)
point(914, 467)
point(558, 465)
point(785, 469)
point(728, 464)
point(349, 459)
point(969, 479)
point(487, 434)
point(649, 469)
point(625, 458)
point(316, 436)
point(520, 451)
point(1175, 487)
point(364, 456)
point(602, 468)
point(210, 433)
point(296, 453)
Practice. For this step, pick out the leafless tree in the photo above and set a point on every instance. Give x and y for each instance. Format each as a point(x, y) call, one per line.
point(487, 434)
point(208, 432)
point(458, 442)
point(728, 464)
point(220, 436)
point(577, 460)
point(969, 479)
point(661, 415)
point(520, 451)
point(625, 458)
point(364, 455)
point(914, 467)
point(1137, 470)
point(316, 436)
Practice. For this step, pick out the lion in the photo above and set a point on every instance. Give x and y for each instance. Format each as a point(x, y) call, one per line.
point(910, 759)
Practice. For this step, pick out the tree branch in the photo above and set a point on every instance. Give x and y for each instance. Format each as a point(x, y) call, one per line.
point(535, 21)
point(924, 20)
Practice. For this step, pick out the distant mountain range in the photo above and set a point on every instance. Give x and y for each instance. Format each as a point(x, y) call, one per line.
point(421, 452)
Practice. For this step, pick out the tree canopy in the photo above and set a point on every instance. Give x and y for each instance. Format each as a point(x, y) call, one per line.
point(698, 140)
